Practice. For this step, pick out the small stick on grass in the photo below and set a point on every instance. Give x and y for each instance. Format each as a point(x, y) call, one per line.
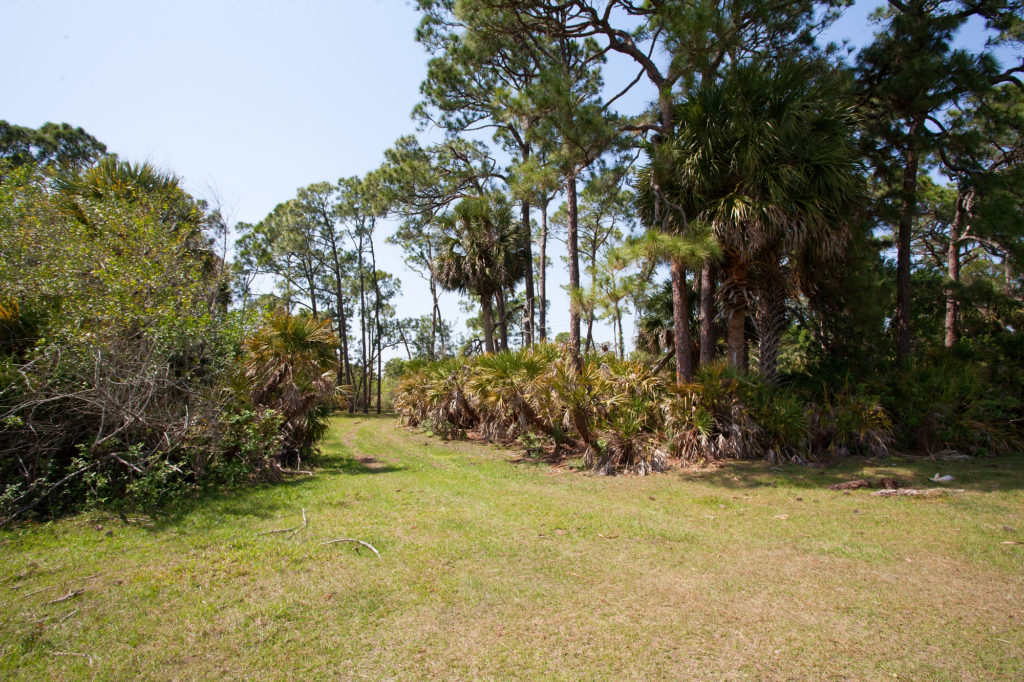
point(72, 653)
point(70, 595)
point(358, 542)
point(290, 531)
point(41, 589)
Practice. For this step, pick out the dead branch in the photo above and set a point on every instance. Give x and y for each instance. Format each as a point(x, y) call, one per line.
point(66, 616)
point(916, 492)
point(41, 589)
point(358, 542)
point(70, 595)
point(296, 472)
point(290, 531)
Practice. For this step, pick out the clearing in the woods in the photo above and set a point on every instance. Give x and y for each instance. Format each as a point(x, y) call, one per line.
point(491, 567)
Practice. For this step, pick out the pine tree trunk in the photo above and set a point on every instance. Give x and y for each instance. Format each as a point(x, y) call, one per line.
point(376, 314)
point(907, 211)
point(681, 323)
point(572, 241)
point(362, 327)
point(528, 310)
point(622, 339)
point(543, 271)
point(963, 207)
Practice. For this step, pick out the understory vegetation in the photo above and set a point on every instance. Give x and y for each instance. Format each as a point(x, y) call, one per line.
point(619, 415)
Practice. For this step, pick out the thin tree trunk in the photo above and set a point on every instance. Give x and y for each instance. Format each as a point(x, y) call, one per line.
point(543, 271)
point(707, 312)
point(376, 314)
point(362, 328)
point(593, 291)
point(435, 312)
point(963, 208)
point(528, 310)
point(499, 296)
point(405, 341)
point(681, 323)
point(487, 319)
point(572, 241)
point(907, 212)
point(622, 338)
point(345, 369)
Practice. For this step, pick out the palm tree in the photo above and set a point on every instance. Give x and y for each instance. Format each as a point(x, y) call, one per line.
point(483, 252)
point(289, 367)
point(766, 158)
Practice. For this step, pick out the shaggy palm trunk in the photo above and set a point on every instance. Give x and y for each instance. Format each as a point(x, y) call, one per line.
point(572, 241)
point(907, 210)
point(487, 320)
point(770, 319)
point(735, 333)
point(707, 312)
point(681, 323)
point(963, 207)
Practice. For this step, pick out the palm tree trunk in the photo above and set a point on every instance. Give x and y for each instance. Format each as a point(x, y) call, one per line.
point(572, 241)
point(735, 332)
point(499, 296)
point(681, 323)
point(770, 318)
point(487, 319)
point(707, 312)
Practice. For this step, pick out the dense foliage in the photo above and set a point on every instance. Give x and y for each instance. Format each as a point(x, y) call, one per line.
point(619, 415)
point(119, 359)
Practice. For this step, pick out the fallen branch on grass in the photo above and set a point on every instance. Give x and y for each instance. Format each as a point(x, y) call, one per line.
point(296, 472)
point(358, 542)
point(916, 492)
point(70, 595)
point(290, 531)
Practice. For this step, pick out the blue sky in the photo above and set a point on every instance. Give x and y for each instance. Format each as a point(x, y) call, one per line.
point(247, 101)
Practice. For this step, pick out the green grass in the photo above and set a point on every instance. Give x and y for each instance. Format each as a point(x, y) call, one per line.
point(496, 569)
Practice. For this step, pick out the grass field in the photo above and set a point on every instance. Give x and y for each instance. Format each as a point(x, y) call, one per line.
point(490, 568)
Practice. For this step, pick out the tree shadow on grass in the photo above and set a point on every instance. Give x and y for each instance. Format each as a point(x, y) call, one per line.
point(265, 501)
point(981, 474)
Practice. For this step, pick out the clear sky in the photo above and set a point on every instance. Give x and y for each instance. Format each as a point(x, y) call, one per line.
point(245, 100)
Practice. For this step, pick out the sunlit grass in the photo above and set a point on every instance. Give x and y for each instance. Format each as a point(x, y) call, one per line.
point(490, 568)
